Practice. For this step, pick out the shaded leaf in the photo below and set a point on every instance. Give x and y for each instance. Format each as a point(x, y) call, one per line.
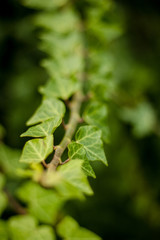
point(96, 114)
point(37, 150)
point(25, 228)
point(43, 203)
point(69, 229)
point(9, 160)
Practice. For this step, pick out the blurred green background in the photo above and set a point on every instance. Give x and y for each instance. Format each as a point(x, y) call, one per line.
point(126, 204)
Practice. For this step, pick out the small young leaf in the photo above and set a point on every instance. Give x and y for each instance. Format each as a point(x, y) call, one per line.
point(43, 129)
point(49, 108)
point(90, 138)
point(69, 229)
point(43, 203)
point(36, 150)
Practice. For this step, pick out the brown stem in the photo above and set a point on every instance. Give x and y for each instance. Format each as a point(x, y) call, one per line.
point(14, 204)
point(71, 128)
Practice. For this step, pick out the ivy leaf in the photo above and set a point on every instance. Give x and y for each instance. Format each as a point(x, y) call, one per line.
point(69, 180)
point(77, 151)
point(49, 108)
point(96, 114)
point(60, 88)
point(48, 4)
point(42, 233)
point(69, 229)
point(73, 174)
point(67, 66)
point(58, 23)
point(43, 204)
point(20, 227)
point(51, 43)
point(43, 129)
point(37, 150)
point(9, 161)
point(90, 138)
point(25, 228)
point(3, 230)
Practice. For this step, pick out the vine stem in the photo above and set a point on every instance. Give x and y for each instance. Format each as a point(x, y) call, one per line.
point(75, 107)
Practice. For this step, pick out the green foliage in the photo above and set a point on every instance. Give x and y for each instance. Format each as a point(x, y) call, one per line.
point(69, 230)
point(25, 228)
point(37, 150)
point(88, 140)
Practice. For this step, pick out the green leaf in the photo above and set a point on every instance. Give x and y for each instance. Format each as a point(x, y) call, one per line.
point(77, 151)
point(37, 150)
point(20, 227)
point(43, 204)
point(96, 114)
point(3, 230)
point(49, 108)
point(52, 43)
point(64, 67)
point(69, 180)
point(9, 161)
point(43, 129)
point(3, 202)
point(69, 229)
point(48, 4)
point(25, 228)
point(72, 173)
point(60, 22)
point(42, 233)
point(90, 138)
point(60, 88)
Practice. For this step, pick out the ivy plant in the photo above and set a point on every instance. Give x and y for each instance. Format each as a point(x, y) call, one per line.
point(76, 96)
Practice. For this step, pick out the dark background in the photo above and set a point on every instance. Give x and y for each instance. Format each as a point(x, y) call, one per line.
point(126, 204)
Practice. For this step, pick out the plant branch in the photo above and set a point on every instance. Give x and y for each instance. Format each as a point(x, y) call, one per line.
point(14, 204)
point(75, 106)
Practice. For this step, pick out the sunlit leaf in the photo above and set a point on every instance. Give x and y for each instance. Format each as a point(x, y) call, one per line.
point(49, 108)
point(37, 150)
point(90, 138)
point(43, 129)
